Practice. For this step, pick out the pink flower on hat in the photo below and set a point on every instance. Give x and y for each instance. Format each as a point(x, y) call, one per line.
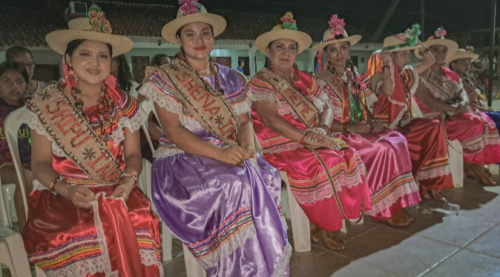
point(440, 32)
point(336, 25)
point(189, 6)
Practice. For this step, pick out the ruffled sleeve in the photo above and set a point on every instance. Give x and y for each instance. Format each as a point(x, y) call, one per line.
point(128, 114)
point(335, 102)
point(159, 90)
point(236, 93)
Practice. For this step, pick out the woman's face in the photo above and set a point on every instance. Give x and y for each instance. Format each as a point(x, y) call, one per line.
point(91, 62)
point(27, 61)
point(12, 87)
point(197, 40)
point(282, 54)
point(400, 59)
point(337, 53)
point(462, 66)
point(439, 52)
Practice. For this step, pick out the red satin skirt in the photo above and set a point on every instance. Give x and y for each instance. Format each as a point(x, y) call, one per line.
point(428, 153)
point(478, 135)
point(313, 189)
point(111, 238)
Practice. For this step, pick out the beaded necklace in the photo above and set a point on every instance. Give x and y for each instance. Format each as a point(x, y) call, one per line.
point(104, 105)
point(290, 79)
point(213, 71)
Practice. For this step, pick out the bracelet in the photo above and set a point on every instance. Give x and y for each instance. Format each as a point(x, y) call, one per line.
point(303, 138)
point(347, 127)
point(325, 127)
point(133, 176)
point(56, 180)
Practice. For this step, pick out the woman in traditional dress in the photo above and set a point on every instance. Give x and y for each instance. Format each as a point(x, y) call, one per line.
point(86, 215)
point(212, 190)
point(395, 83)
point(447, 100)
point(460, 63)
point(383, 151)
point(292, 119)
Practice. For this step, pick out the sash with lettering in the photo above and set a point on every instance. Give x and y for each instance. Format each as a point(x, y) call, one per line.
point(447, 85)
point(74, 135)
point(297, 99)
point(352, 110)
point(213, 112)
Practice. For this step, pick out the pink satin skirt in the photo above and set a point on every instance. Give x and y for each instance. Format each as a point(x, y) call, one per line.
point(478, 135)
point(389, 167)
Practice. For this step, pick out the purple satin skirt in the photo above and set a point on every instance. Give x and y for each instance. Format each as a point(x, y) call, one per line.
point(390, 179)
point(228, 216)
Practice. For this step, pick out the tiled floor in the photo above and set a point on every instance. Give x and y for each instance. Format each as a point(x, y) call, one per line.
point(434, 245)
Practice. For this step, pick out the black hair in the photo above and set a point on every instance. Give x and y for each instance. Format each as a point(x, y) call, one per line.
point(15, 51)
point(178, 33)
point(156, 60)
point(271, 43)
point(124, 74)
point(13, 66)
point(241, 62)
point(324, 48)
point(72, 45)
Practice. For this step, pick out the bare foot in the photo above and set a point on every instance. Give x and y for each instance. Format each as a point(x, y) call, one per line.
point(313, 229)
point(332, 240)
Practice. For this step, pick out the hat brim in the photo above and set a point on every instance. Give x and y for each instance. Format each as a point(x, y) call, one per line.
point(407, 48)
point(450, 44)
point(170, 29)
point(461, 55)
point(351, 39)
point(58, 40)
point(302, 39)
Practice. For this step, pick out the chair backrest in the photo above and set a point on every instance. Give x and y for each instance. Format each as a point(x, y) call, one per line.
point(148, 107)
point(11, 127)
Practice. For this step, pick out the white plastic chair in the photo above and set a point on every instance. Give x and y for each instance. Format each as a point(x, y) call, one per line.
point(455, 152)
point(193, 268)
point(12, 124)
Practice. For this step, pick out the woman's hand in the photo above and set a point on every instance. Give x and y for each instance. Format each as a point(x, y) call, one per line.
point(80, 196)
point(124, 189)
point(322, 143)
point(462, 109)
point(234, 155)
point(315, 134)
point(377, 127)
point(360, 128)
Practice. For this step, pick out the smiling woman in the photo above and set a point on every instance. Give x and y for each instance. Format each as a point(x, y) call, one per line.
point(86, 160)
point(211, 188)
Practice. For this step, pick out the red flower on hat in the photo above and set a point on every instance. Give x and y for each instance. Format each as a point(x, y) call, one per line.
point(93, 14)
point(107, 29)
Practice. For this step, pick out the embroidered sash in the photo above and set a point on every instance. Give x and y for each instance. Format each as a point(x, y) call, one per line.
point(303, 107)
point(442, 84)
point(74, 135)
point(214, 113)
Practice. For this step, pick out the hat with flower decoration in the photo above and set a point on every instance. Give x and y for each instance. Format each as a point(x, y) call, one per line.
point(336, 34)
point(286, 30)
point(189, 12)
point(404, 41)
point(439, 39)
point(467, 53)
point(94, 26)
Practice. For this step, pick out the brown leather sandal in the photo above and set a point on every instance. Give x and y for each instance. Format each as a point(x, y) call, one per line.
point(331, 240)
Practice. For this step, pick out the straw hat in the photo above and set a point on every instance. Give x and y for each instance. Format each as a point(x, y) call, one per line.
point(286, 30)
point(336, 34)
point(191, 11)
point(404, 41)
point(438, 39)
point(467, 53)
point(94, 26)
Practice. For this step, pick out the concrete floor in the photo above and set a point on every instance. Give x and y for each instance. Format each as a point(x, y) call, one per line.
point(467, 244)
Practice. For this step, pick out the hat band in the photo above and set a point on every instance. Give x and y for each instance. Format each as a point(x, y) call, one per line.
point(397, 46)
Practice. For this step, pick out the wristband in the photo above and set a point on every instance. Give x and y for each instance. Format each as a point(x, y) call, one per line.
point(56, 180)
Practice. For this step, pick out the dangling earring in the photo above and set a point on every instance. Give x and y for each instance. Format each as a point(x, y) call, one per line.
point(72, 78)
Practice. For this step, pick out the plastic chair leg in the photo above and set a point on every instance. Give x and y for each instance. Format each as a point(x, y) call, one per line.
point(456, 163)
point(300, 223)
point(193, 268)
point(166, 243)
